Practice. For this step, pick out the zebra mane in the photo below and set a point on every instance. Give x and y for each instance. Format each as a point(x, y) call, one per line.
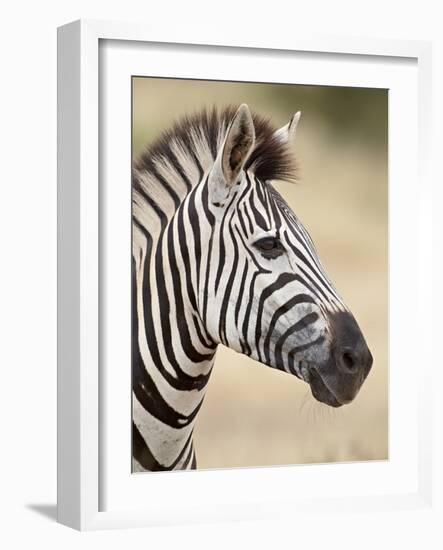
point(195, 140)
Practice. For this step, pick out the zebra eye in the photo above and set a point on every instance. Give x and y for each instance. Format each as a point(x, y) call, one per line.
point(270, 247)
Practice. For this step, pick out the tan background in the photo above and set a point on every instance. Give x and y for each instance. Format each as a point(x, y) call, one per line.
point(254, 415)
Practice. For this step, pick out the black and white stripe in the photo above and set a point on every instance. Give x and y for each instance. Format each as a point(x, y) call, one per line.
point(218, 257)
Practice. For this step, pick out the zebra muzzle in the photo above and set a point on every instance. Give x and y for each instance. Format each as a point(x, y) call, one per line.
point(337, 381)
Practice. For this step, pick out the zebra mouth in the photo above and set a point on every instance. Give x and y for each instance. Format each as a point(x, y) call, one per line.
point(320, 390)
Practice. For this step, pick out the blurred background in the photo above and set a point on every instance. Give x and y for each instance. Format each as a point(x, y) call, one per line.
point(254, 415)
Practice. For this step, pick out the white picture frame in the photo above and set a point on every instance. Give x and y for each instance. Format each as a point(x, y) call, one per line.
point(82, 438)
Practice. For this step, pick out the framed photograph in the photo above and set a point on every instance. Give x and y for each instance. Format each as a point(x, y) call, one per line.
point(239, 225)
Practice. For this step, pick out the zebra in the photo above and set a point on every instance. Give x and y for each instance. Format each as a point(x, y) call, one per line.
point(220, 258)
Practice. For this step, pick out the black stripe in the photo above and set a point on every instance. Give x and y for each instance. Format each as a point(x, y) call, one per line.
point(183, 246)
point(259, 220)
point(221, 245)
point(314, 284)
point(242, 223)
point(197, 164)
point(265, 200)
point(162, 216)
point(205, 339)
point(281, 281)
point(228, 289)
point(166, 186)
point(211, 220)
point(188, 458)
point(318, 270)
point(246, 318)
point(241, 292)
point(251, 225)
point(194, 461)
point(195, 225)
point(185, 382)
point(180, 315)
point(275, 210)
point(282, 310)
point(298, 349)
point(178, 167)
point(143, 385)
point(241, 202)
point(291, 365)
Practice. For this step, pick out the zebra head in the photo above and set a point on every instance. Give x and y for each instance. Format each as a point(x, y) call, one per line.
point(266, 293)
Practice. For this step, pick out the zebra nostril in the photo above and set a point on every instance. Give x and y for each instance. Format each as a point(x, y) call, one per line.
point(349, 361)
point(350, 351)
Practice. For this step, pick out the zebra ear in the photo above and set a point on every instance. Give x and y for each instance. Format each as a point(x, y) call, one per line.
point(238, 144)
point(287, 133)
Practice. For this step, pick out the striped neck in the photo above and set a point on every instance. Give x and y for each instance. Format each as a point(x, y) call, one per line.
point(172, 352)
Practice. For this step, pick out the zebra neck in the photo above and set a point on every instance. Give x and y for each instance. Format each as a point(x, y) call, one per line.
point(172, 352)
point(164, 416)
point(170, 376)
